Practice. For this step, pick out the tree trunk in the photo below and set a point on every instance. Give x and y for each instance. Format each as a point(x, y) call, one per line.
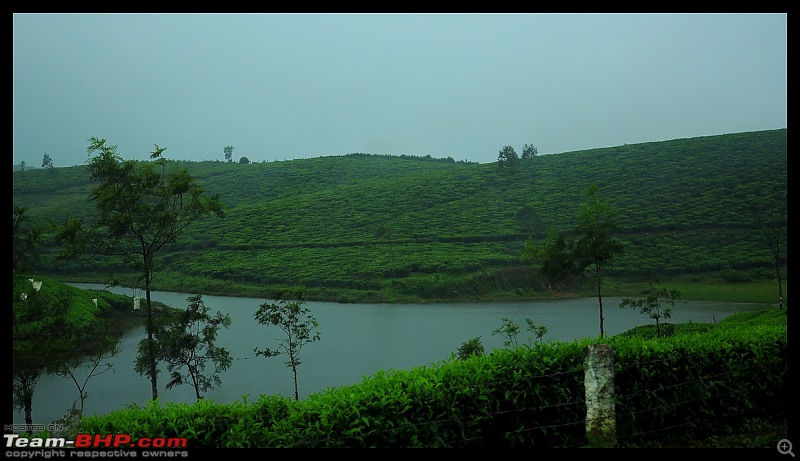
point(598, 282)
point(28, 410)
point(150, 341)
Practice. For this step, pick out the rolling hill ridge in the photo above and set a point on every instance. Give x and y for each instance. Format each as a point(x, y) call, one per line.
point(363, 227)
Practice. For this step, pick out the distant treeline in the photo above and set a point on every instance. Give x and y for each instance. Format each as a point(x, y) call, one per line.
point(427, 157)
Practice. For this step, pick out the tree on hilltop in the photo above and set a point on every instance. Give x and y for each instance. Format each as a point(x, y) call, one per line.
point(508, 158)
point(529, 151)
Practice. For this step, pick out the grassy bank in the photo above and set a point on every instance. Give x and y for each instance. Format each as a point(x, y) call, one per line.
point(692, 288)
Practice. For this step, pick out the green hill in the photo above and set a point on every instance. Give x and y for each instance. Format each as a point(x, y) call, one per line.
point(363, 227)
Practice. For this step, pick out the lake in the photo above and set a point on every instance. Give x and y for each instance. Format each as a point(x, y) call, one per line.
point(356, 341)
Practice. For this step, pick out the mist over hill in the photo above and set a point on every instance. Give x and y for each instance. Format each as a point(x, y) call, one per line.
point(364, 227)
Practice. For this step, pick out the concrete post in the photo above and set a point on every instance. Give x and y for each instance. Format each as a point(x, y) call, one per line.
point(601, 420)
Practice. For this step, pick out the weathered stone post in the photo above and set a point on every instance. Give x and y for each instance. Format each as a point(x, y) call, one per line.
point(601, 418)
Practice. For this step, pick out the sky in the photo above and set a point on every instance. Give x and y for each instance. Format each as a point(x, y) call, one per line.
point(283, 86)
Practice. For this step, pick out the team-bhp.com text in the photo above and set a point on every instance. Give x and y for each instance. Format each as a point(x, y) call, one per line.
point(47, 447)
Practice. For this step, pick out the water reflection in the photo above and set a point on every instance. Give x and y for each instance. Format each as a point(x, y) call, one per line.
point(357, 340)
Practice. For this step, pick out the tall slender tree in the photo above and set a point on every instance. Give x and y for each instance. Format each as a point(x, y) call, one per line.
point(596, 245)
point(141, 210)
point(588, 255)
point(772, 222)
point(297, 324)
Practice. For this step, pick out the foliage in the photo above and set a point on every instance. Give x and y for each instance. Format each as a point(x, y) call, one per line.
point(538, 330)
point(38, 339)
point(508, 158)
point(56, 327)
point(529, 151)
point(737, 367)
point(589, 254)
point(651, 304)
point(596, 245)
point(509, 330)
point(297, 325)
point(555, 257)
point(141, 210)
point(37, 319)
point(26, 236)
point(47, 162)
point(470, 347)
point(53, 326)
point(187, 340)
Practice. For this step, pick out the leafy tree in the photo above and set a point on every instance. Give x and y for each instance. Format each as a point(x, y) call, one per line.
point(26, 238)
point(244, 161)
point(297, 325)
point(471, 347)
point(26, 372)
point(529, 151)
point(47, 162)
point(22, 166)
point(527, 218)
point(38, 339)
point(596, 246)
point(228, 153)
point(508, 158)
point(141, 211)
point(588, 255)
point(188, 341)
point(651, 304)
point(554, 256)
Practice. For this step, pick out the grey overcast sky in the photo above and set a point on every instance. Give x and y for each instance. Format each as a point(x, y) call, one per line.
point(280, 86)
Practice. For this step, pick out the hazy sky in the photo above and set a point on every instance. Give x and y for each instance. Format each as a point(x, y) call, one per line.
point(284, 86)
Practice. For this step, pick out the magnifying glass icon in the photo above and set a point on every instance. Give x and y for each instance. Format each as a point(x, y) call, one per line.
point(785, 447)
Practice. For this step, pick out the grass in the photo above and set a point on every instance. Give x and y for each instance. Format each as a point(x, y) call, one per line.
point(702, 289)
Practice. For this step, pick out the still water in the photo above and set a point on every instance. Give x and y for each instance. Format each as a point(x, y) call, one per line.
point(356, 341)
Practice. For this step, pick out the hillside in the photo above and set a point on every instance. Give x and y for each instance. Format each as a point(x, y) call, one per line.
point(374, 227)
